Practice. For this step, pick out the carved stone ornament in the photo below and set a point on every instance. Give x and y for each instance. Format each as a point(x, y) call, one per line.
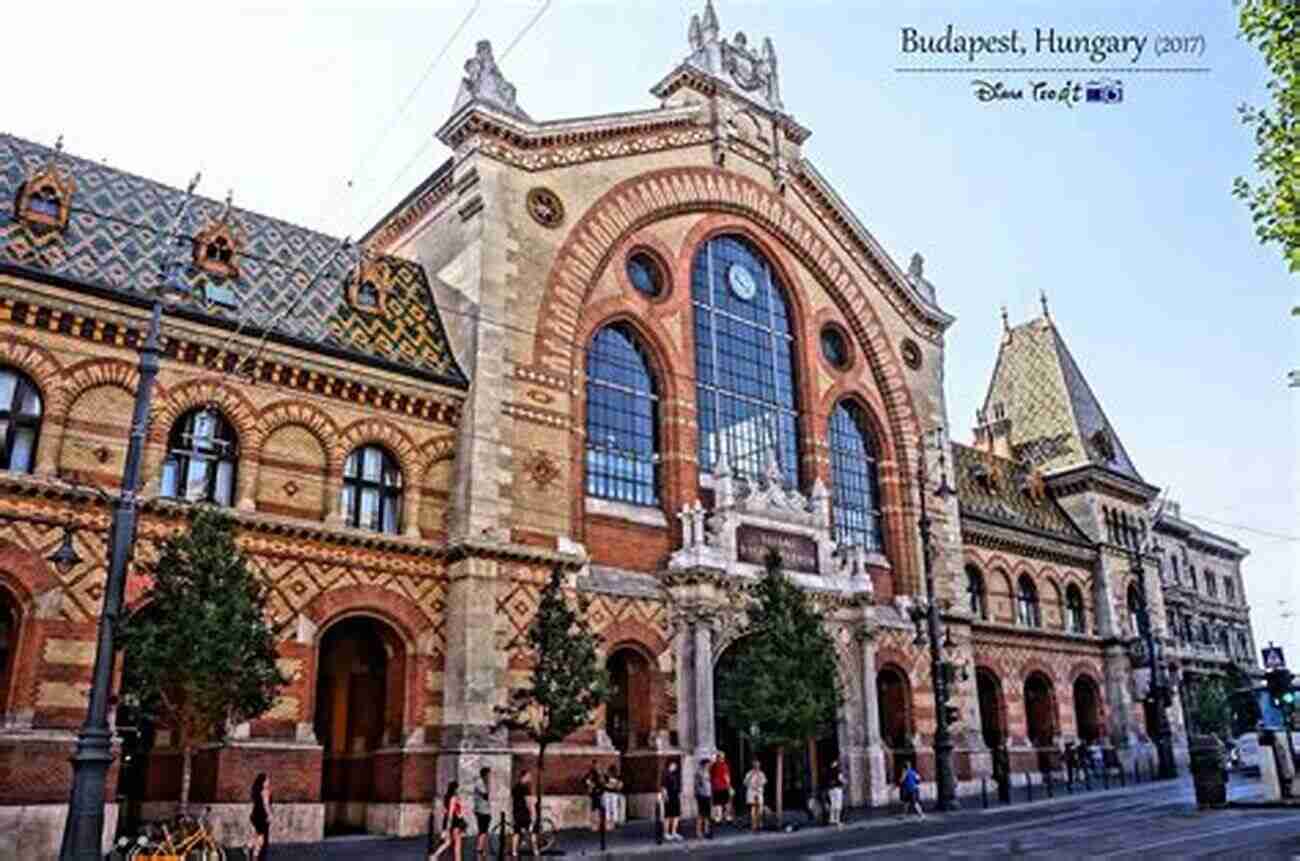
point(484, 84)
point(754, 72)
point(217, 246)
point(911, 354)
point(545, 207)
point(45, 199)
point(542, 469)
point(1101, 443)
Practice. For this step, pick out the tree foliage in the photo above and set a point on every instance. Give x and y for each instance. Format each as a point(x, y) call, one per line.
point(783, 687)
point(1273, 26)
point(567, 682)
point(200, 655)
point(1211, 711)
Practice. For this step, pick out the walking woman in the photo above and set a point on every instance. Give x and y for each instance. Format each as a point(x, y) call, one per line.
point(453, 824)
point(672, 796)
point(261, 818)
point(755, 783)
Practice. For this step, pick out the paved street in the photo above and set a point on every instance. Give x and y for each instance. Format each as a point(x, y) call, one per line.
point(1151, 821)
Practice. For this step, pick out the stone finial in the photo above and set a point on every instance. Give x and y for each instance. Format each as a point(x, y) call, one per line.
point(694, 35)
point(917, 267)
point(1042, 298)
point(1006, 324)
point(58, 145)
point(709, 25)
point(484, 83)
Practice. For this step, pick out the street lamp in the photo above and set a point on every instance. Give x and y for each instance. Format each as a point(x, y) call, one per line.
point(84, 828)
point(941, 672)
point(66, 557)
point(1159, 697)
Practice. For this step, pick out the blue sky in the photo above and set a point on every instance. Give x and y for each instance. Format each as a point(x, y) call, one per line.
point(1122, 214)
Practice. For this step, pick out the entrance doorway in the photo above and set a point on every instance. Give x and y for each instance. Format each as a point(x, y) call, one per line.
point(1040, 718)
point(1087, 709)
point(359, 701)
point(993, 719)
point(629, 714)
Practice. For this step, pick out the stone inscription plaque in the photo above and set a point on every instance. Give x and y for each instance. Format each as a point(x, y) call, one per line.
point(798, 552)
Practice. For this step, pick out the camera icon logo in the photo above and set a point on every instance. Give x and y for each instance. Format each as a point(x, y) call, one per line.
point(1106, 91)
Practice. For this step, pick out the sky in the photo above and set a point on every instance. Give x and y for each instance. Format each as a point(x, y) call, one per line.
point(323, 114)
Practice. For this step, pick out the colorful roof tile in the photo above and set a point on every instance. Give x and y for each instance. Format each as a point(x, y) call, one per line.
point(1055, 420)
point(1001, 490)
point(112, 241)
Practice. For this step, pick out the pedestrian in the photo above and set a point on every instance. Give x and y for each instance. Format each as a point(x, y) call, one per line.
point(521, 810)
point(482, 811)
point(671, 792)
point(1071, 762)
point(835, 793)
point(453, 824)
point(909, 790)
point(720, 784)
point(755, 781)
point(596, 791)
point(703, 800)
point(613, 797)
point(260, 795)
point(1098, 758)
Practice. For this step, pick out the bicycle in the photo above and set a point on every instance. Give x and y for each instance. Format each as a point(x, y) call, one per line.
point(182, 836)
point(547, 837)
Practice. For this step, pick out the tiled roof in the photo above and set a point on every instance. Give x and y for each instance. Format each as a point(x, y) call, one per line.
point(112, 241)
point(1056, 420)
point(1002, 490)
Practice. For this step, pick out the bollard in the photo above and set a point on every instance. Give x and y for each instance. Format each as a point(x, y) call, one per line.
point(659, 825)
point(602, 825)
point(984, 791)
point(1050, 794)
point(1029, 785)
point(501, 844)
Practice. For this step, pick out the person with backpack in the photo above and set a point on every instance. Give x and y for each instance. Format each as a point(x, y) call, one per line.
point(909, 790)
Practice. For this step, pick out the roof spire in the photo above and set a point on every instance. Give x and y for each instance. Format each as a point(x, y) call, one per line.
point(58, 145)
point(1042, 298)
point(483, 83)
point(225, 212)
point(709, 25)
point(1006, 325)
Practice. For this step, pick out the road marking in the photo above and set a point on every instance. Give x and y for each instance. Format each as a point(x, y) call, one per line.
point(1200, 835)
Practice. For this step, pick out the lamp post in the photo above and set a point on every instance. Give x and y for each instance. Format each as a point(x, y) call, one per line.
point(940, 676)
point(1158, 694)
point(84, 828)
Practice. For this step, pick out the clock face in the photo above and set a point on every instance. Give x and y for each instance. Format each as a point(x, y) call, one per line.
point(742, 282)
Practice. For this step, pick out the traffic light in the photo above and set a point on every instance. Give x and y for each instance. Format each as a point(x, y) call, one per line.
point(1279, 688)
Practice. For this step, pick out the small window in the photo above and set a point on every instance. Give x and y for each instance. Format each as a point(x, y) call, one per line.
point(1229, 590)
point(975, 591)
point(219, 251)
point(20, 421)
point(368, 295)
point(46, 202)
point(1074, 613)
point(1134, 610)
point(372, 490)
point(202, 452)
point(1027, 603)
point(646, 274)
point(835, 349)
point(220, 294)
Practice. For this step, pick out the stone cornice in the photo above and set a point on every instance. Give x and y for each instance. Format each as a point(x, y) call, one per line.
point(1090, 477)
point(686, 75)
point(981, 532)
point(487, 548)
point(477, 119)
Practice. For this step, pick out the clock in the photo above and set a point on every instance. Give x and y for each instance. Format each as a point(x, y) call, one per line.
point(742, 282)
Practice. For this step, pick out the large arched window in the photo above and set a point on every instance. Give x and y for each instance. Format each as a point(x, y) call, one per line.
point(202, 451)
point(20, 421)
point(1134, 609)
point(855, 479)
point(372, 490)
point(1027, 603)
point(744, 362)
point(1074, 614)
point(975, 591)
point(622, 419)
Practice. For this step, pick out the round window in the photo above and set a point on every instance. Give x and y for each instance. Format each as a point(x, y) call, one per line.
point(645, 274)
point(835, 348)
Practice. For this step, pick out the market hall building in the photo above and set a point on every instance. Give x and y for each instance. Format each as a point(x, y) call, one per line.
point(643, 347)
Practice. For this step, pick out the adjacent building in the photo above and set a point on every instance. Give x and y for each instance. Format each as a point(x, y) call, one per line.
point(643, 347)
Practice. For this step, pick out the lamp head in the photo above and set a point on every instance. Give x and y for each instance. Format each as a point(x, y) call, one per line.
point(66, 557)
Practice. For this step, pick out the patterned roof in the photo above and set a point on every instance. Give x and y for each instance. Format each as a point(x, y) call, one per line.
point(1056, 421)
point(112, 241)
point(1003, 490)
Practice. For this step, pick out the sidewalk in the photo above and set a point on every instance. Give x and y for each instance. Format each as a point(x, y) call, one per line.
point(637, 837)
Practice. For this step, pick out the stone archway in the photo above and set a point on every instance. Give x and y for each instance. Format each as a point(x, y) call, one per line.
point(10, 627)
point(360, 703)
point(993, 713)
point(1087, 709)
point(1040, 717)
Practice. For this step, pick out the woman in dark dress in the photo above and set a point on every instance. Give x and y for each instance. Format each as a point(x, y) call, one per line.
point(671, 793)
point(453, 824)
point(261, 818)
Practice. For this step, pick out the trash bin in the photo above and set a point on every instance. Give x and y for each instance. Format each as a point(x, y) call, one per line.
point(1208, 761)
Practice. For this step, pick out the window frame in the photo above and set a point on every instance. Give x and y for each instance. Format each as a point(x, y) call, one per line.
point(183, 453)
point(855, 492)
point(977, 592)
point(389, 495)
point(15, 421)
point(1076, 613)
point(1028, 603)
point(615, 389)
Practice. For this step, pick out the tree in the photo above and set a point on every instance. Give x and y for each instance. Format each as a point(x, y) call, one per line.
point(566, 684)
point(783, 688)
point(1211, 711)
point(1273, 26)
point(200, 654)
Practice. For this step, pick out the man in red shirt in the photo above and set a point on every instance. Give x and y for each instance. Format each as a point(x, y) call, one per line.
point(720, 779)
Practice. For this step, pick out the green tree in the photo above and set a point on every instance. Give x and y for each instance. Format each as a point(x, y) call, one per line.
point(200, 654)
point(783, 687)
point(1273, 26)
point(1211, 711)
point(567, 682)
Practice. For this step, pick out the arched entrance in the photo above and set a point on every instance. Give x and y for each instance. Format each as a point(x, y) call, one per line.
point(1087, 709)
point(1040, 717)
point(993, 718)
point(10, 616)
point(629, 714)
point(894, 708)
point(804, 767)
point(360, 698)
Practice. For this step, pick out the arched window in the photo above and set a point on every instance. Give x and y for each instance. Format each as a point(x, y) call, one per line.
point(1027, 603)
point(368, 295)
point(892, 702)
point(372, 490)
point(1195, 583)
point(1205, 633)
point(979, 605)
point(1134, 605)
point(202, 452)
point(1211, 584)
point(1229, 589)
point(855, 479)
point(1189, 636)
point(744, 362)
point(20, 420)
point(1074, 612)
point(1174, 562)
point(622, 419)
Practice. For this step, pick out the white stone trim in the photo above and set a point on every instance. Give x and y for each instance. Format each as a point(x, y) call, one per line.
point(642, 514)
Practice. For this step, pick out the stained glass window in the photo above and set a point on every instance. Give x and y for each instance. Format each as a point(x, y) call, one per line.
point(622, 419)
point(744, 362)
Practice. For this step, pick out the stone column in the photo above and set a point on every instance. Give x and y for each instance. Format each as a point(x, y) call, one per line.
point(1118, 671)
point(702, 669)
point(874, 790)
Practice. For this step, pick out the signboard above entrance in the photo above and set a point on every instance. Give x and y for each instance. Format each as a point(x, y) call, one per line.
point(798, 552)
